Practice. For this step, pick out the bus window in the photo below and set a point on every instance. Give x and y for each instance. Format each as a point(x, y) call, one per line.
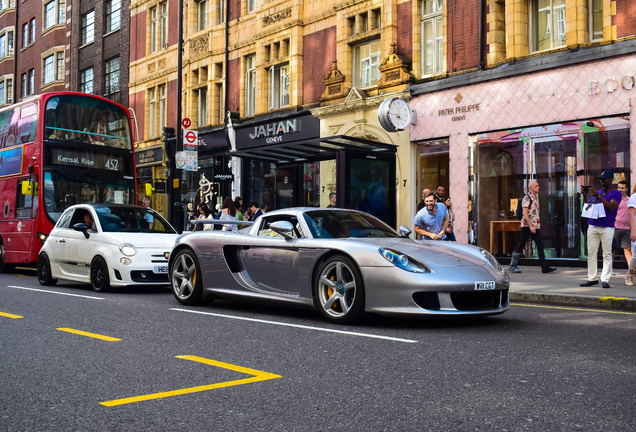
point(86, 120)
point(8, 123)
point(24, 203)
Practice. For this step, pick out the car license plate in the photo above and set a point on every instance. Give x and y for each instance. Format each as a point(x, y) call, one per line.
point(484, 285)
point(164, 270)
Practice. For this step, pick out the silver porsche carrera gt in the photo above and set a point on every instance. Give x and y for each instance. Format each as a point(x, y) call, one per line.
point(342, 263)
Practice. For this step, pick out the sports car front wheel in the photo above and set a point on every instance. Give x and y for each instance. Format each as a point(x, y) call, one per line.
point(185, 278)
point(339, 290)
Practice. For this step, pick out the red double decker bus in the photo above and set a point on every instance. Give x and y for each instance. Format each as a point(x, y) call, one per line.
point(56, 150)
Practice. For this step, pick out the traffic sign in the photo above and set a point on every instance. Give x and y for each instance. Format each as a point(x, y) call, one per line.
point(186, 123)
point(190, 138)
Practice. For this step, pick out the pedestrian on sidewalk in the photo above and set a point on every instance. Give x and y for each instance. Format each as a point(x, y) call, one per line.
point(631, 207)
point(621, 226)
point(601, 230)
point(432, 220)
point(421, 204)
point(530, 228)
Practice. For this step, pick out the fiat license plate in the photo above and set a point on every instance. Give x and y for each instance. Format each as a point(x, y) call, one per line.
point(164, 270)
point(484, 285)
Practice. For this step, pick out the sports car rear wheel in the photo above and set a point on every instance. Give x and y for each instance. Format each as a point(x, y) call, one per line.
point(340, 291)
point(185, 278)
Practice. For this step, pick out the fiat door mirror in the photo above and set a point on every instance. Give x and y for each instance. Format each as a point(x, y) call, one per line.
point(83, 228)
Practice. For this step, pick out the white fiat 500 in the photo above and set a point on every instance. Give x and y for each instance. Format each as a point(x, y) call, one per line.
point(108, 245)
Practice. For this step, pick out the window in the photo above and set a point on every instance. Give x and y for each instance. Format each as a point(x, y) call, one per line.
point(153, 29)
point(202, 15)
point(202, 107)
point(596, 9)
point(251, 5)
point(32, 81)
point(23, 89)
point(61, 12)
point(111, 75)
point(88, 27)
point(59, 66)
point(86, 80)
point(221, 10)
point(48, 69)
point(1, 92)
point(49, 15)
point(6, 91)
point(25, 34)
point(432, 30)
point(366, 59)
point(218, 90)
point(3, 45)
point(164, 25)
point(278, 86)
point(6, 44)
point(162, 107)
point(32, 39)
point(151, 113)
point(6, 4)
point(250, 85)
point(548, 24)
point(113, 15)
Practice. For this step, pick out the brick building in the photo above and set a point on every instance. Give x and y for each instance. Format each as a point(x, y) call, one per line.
point(32, 38)
point(98, 51)
point(526, 90)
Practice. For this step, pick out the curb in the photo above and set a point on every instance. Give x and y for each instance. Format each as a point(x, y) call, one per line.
point(608, 302)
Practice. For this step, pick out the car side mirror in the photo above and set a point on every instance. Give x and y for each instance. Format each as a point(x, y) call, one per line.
point(83, 228)
point(283, 228)
point(404, 231)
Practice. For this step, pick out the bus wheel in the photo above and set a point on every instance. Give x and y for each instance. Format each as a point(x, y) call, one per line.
point(44, 270)
point(4, 267)
point(99, 275)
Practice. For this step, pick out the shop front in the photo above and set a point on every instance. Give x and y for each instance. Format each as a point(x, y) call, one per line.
point(559, 127)
point(286, 163)
point(151, 170)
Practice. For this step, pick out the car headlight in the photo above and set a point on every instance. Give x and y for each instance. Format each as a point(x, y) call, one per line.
point(492, 260)
point(128, 249)
point(402, 261)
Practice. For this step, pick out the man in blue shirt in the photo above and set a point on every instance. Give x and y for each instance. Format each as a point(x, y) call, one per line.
point(432, 220)
point(148, 217)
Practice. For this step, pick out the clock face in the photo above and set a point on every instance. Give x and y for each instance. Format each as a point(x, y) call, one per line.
point(399, 114)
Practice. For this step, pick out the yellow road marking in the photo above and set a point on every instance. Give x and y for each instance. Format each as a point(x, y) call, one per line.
point(604, 299)
point(92, 335)
point(8, 315)
point(574, 309)
point(258, 376)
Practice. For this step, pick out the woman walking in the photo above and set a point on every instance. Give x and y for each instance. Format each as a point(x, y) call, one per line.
point(229, 212)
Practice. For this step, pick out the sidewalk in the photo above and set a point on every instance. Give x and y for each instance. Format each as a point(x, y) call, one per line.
point(562, 288)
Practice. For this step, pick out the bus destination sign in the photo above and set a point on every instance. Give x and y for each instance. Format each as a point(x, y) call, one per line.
point(86, 159)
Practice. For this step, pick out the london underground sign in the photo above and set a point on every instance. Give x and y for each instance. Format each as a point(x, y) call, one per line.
point(186, 123)
point(190, 138)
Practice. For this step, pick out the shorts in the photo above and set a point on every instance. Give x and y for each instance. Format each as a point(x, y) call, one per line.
point(621, 238)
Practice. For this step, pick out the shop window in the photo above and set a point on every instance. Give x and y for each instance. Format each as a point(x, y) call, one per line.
point(547, 20)
point(432, 35)
point(88, 27)
point(278, 86)
point(250, 85)
point(86, 81)
point(113, 15)
point(366, 59)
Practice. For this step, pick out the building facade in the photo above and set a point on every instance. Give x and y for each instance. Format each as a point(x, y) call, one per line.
point(549, 98)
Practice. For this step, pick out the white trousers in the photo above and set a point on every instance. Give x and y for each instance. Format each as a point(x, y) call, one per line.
point(603, 236)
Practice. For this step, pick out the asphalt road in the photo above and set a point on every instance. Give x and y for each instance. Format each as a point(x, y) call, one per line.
point(262, 368)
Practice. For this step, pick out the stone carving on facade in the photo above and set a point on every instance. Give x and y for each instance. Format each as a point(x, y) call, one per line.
point(199, 46)
point(151, 67)
point(394, 70)
point(333, 129)
point(278, 16)
point(334, 82)
point(161, 64)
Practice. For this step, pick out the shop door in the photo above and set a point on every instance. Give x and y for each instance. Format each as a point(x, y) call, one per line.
point(285, 179)
point(553, 165)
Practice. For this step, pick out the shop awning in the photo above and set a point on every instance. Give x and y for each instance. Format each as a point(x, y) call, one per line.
point(314, 149)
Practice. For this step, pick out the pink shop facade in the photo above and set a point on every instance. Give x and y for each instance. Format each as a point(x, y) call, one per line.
point(560, 127)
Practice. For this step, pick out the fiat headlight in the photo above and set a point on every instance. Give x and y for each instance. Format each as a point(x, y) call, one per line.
point(492, 260)
point(402, 261)
point(128, 249)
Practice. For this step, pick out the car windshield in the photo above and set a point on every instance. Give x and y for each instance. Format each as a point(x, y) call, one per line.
point(132, 219)
point(346, 224)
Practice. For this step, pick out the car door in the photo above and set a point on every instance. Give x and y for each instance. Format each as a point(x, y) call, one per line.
point(56, 244)
point(77, 248)
point(272, 262)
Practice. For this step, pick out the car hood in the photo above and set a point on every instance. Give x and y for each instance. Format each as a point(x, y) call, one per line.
point(438, 253)
point(141, 240)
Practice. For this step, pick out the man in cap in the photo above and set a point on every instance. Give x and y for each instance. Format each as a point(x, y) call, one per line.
point(601, 230)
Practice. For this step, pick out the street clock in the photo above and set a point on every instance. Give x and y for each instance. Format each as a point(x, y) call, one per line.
point(394, 114)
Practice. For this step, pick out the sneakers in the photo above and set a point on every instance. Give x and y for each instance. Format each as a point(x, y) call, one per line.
point(629, 280)
point(605, 285)
point(548, 270)
point(613, 273)
point(514, 269)
point(591, 283)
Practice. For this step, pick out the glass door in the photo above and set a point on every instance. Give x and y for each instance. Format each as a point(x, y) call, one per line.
point(285, 179)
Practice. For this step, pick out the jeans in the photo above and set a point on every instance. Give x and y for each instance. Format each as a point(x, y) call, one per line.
point(604, 236)
point(450, 237)
point(536, 237)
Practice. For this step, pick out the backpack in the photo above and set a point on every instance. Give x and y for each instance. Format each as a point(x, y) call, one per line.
point(520, 209)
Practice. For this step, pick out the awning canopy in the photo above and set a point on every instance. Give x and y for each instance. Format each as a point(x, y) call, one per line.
point(314, 149)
